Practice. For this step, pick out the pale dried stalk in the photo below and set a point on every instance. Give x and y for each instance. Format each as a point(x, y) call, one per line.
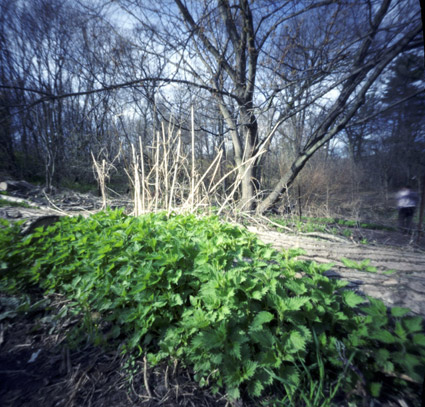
point(195, 188)
point(136, 184)
point(230, 196)
point(175, 175)
point(145, 376)
point(239, 178)
point(147, 183)
point(176, 166)
point(157, 171)
point(193, 156)
point(220, 151)
point(165, 165)
point(143, 174)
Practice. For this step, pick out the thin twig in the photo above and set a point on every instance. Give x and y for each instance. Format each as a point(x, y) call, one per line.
point(166, 378)
point(145, 376)
point(55, 208)
point(275, 224)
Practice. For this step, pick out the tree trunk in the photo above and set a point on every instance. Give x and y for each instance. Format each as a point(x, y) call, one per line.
point(247, 186)
point(284, 183)
point(421, 208)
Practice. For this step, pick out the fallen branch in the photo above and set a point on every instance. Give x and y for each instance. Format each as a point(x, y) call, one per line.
point(19, 200)
point(276, 224)
point(325, 236)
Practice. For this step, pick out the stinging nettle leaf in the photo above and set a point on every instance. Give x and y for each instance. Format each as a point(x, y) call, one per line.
point(419, 339)
point(399, 311)
point(261, 318)
point(352, 299)
point(295, 303)
point(297, 342)
point(384, 336)
point(413, 324)
point(264, 337)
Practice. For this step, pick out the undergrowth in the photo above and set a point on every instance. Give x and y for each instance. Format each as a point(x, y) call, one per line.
point(244, 317)
point(333, 226)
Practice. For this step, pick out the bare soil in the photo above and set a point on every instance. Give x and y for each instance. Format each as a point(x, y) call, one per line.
point(38, 368)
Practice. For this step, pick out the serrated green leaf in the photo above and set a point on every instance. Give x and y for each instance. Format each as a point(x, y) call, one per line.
point(297, 286)
point(257, 295)
point(249, 367)
point(196, 289)
point(263, 317)
point(352, 299)
point(290, 375)
point(350, 263)
point(382, 355)
point(135, 338)
point(384, 336)
point(295, 303)
point(233, 393)
point(413, 324)
point(375, 389)
point(216, 358)
point(376, 307)
point(365, 263)
point(268, 253)
point(255, 388)
point(297, 342)
point(264, 337)
point(419, 339)
point(399, 311)
point(235, 350)
point(399, 331)
point(341, 283)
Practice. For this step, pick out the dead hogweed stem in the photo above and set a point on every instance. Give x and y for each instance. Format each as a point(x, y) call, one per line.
point(145, 376)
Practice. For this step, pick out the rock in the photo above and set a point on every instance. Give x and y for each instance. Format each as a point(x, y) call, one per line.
point(13, 214)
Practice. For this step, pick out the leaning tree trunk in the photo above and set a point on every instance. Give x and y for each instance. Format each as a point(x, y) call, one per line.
point(340, 113)
point(421, 208)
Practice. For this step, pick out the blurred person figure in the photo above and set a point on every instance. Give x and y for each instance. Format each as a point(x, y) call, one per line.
point(407, 200)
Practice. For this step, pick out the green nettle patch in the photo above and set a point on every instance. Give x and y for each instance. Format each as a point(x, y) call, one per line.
point(212, 296)
point(328, 225)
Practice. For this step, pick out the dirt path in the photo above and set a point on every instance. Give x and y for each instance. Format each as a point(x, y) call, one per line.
point(404, 288)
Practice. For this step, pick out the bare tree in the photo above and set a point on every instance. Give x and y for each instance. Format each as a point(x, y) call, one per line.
point(297, 71)
point(280, 56)
point(50, 48)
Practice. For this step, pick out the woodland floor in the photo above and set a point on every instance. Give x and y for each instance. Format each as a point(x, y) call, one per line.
point(38, 368)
